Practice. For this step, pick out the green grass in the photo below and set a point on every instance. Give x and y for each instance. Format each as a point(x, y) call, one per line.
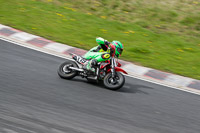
point(157, 34)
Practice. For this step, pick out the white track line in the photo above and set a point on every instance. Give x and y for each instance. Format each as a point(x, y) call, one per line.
point(68, 57)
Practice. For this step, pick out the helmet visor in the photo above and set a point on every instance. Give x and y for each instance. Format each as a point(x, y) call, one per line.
point(120, 50)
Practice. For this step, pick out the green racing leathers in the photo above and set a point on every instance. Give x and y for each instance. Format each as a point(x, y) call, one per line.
point(97, 54)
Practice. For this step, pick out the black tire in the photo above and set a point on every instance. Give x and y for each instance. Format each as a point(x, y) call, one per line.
point(118, 85)
point(70, 73)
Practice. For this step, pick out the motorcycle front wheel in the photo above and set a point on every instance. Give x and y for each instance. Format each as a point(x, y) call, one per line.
point(64, 71)
point(114, 83)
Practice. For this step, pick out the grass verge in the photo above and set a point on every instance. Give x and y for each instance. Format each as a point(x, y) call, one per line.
point(61, 22)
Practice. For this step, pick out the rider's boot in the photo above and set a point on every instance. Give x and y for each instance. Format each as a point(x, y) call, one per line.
point(89, 65)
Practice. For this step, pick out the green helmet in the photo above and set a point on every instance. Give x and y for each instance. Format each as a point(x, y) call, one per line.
point(119, 47)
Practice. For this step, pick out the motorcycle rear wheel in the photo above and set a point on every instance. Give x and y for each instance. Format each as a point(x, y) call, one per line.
point(114, 86)
point(66, 73)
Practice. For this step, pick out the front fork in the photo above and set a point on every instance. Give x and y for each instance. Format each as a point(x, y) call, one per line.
point(113, 72)
point(113, 64)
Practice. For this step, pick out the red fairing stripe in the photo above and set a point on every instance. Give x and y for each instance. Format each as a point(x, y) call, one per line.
point(104, 65)
point(118, 69)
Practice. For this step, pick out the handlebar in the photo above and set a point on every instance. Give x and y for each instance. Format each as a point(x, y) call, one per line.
point(112, 50)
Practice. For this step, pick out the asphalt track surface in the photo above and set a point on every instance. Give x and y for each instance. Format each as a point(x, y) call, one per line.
point(33, 99)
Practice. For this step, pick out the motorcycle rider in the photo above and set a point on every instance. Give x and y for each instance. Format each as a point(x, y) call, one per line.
point(101, 53)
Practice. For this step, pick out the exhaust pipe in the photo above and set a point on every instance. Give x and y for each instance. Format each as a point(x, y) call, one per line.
point(77, 69)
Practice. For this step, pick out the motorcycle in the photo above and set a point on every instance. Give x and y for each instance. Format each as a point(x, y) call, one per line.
point(108, 71)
